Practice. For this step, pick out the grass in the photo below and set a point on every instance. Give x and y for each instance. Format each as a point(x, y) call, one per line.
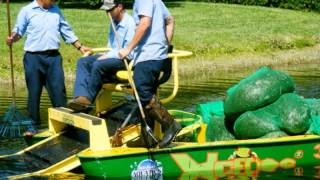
point(218, 34)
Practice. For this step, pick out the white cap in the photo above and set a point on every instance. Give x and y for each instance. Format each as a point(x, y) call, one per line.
point(107, 5)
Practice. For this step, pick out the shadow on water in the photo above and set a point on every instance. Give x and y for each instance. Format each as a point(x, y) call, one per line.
point(191, 93)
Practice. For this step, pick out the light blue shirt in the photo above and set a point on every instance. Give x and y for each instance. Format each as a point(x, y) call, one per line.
point(43, 27)
point(125, 29)
point(154, 45)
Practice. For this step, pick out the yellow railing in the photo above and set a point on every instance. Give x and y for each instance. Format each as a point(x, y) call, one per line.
point(175, 71)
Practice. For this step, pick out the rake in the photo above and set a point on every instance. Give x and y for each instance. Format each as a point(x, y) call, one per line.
point(144, 124)
point(13, 122)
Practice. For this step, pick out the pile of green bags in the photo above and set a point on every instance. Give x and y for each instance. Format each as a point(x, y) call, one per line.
point(213, 115)
point(289, 114)
point(262, 105)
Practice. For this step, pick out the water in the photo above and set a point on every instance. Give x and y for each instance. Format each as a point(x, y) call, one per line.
point(42, 156)
point(191, 92)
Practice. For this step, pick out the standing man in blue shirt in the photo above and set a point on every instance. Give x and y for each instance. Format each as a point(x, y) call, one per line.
point(93, 71)
point(150, 44)
point(43, 24)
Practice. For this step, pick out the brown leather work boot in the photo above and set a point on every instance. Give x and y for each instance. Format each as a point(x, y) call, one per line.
point(155, 111)
point(83, 100)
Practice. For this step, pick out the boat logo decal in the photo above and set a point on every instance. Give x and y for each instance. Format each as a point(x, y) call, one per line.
point(147, 168)
point(298, 154)
point(243, 161)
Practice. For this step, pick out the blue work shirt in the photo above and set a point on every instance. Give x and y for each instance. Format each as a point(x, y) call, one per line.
point(125, 29)
point(43, 27)
point(153, 45)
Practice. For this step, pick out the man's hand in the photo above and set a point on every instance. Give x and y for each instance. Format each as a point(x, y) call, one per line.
point(85, 50)
point(144, 24)
point(123, 53)
point(12, 38)
point(9, 40)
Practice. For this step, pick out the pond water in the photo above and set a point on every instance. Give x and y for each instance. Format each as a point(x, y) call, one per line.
point(191, 92)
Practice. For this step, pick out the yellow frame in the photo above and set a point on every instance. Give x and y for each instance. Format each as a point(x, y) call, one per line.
point(104, 99)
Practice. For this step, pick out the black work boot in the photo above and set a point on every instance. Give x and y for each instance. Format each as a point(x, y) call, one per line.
point(155, 111)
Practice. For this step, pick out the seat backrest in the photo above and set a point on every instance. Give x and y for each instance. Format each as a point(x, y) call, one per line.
point(166, 71)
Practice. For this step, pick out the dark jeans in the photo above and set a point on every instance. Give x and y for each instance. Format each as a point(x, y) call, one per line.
point(92, 73)
point(44, 69)
point(146, 77)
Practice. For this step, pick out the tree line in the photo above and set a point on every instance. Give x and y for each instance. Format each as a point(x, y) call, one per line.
point(313, 5)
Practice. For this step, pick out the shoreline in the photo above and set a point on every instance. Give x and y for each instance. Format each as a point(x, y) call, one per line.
point(229, 64)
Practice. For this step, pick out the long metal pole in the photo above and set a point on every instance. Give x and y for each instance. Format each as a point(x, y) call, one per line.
point(131, 82)
point(10, 56)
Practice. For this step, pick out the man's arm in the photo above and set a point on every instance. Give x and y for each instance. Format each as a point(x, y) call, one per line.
point(144, 24)
point(69, 37)
point(19, 28)
point(169, 28)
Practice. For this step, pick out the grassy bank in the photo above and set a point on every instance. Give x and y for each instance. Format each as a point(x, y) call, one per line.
point(218, 34)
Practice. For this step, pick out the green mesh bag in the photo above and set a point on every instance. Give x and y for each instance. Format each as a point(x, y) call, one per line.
point(212, 114)
point(290, 113)
point(294, 113)
point(216, 130)
point(257, 90)
point(315, 125)
point(207, 110)
point(314, 105)
point(254, 124)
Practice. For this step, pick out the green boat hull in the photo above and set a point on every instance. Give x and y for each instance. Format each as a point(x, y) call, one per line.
point(210, 160)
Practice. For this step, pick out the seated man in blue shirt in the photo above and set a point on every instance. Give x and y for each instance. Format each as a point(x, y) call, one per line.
point(93, 71)
point(43, 24)
point(150, 45)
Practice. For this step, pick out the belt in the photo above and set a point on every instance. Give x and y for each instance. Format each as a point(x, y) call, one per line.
point(46, 52)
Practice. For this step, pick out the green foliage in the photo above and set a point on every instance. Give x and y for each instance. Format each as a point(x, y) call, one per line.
point(297, 4)
point(287, 4)
point(245, 2)
point(94, 3)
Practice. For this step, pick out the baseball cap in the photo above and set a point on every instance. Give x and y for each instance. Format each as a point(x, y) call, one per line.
point(108, 5)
